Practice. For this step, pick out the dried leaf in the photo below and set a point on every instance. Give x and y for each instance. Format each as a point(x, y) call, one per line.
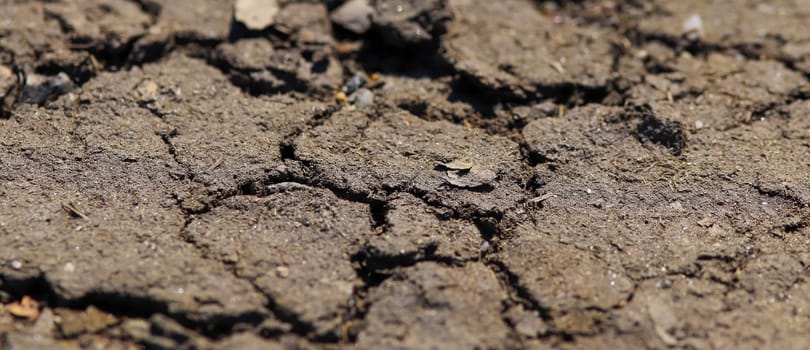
point(475, 177)
point(705, 222)
point(25, 308)
point(457, 165)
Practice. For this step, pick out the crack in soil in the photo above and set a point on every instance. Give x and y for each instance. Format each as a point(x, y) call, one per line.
point(372, 267)
point(518, 293)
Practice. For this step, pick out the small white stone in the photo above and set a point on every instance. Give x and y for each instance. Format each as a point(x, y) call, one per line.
point(69, 267)
point(282, 271)
point(698, 124)
point(485, 247)
point(16, 264)
point(693, 27)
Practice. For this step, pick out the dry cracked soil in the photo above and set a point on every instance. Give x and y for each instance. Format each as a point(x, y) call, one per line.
point(404, 174)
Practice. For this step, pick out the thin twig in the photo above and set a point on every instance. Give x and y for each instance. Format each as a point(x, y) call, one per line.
point(73, 211)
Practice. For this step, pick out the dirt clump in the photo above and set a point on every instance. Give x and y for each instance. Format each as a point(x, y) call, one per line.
point(464, 300)
point(528, 55)
point(415, 231)
point(405, 161)
point(297, 240)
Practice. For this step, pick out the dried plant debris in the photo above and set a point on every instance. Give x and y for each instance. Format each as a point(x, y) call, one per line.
point(467, 175)
point(26, 307)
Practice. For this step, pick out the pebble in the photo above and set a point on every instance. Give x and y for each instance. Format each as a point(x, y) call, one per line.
point(485, 247)
point(147, 91)
point(16, 264)
point(351, 85)
point(40, 88)
point(693, 27)
point(282, 271)
point(363, 98)
point(256, 14)
point(354, 16)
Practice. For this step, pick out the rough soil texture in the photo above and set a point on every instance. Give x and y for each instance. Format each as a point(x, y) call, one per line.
point(528, 175)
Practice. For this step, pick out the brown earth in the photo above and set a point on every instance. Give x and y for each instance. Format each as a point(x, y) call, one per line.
point(529, 175)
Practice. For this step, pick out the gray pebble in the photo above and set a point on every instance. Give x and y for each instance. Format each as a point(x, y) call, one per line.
point(40, 88)
point(363, 98)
